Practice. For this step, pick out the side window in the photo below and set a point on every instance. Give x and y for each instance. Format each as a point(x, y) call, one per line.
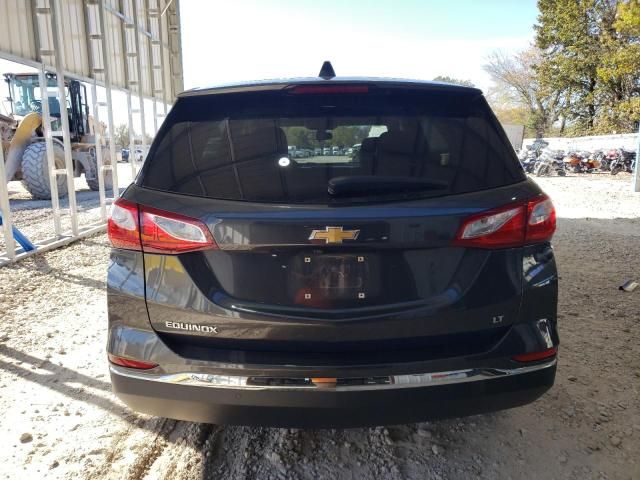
point(193, 158)
point(212, 159)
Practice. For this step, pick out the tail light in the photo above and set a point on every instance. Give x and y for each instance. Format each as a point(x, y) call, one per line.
point(536, 356)
point(129, 363)
point(136, 227)
point(541, 221)
point(329, 89)
point(510, 226)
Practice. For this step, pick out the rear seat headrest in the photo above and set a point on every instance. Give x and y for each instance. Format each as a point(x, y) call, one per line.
point(369, 144)
point(398, 142)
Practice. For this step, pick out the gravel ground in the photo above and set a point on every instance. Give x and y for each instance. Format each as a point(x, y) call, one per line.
point(61, 420)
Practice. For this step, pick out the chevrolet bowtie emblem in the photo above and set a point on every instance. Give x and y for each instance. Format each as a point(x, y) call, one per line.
point(334, 234)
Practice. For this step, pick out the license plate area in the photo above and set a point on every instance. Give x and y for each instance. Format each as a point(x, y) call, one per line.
point(323, 279)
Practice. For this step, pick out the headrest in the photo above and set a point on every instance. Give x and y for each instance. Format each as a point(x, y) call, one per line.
point(398, 142)
point(249, 143)
point(368, 145)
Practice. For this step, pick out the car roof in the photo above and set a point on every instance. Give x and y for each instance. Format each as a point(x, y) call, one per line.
point(283, 83)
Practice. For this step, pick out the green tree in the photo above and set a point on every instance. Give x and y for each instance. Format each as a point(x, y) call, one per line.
point(455, 81)
point(300, 137)
point(348, 136)
point(572, 35)
point(618, 72)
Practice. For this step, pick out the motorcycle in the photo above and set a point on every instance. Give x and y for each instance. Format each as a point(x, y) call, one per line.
point(550, 161)
point(528, 159)
point(623, 161)
point(581, 162)
point(600, 160)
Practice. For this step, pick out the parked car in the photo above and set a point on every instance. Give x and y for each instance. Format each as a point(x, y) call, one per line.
point(246, 290)
point(138, 154)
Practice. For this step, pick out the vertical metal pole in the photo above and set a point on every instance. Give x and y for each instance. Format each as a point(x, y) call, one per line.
point(164, 80)
point(127, 80)
point(51, 159)
point(57, 42)
point(150, 64)
point(97, 137)
point(7, 225)
point(136, 31)
point(155, 116)
point(636, 174)
point(97, 127)
point(107, 84)
point(132, 145)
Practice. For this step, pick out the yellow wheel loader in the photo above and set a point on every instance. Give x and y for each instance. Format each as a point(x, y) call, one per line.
point(22, 135)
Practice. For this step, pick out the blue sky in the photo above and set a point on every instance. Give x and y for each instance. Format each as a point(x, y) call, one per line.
point(246, 39)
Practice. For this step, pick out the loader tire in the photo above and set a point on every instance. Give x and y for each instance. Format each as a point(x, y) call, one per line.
point(35, 171)
point(108, 176)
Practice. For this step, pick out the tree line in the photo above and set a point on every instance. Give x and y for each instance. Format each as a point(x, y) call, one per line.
point(342, 136)
point(580, 77)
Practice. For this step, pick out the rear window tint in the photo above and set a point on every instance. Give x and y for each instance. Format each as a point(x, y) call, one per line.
point(287, 148)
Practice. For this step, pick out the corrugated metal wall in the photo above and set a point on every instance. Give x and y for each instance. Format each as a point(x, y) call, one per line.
point(16, 28)
point(158, 38)
point(113, 35)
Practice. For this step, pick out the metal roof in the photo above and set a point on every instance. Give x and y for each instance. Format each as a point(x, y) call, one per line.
point(26, 36)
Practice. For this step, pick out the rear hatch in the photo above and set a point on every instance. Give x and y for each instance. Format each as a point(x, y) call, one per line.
point(334, 251)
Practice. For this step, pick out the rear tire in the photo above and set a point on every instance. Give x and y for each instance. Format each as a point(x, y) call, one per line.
point(35, 171)
point(108, 175)
point(543, 171)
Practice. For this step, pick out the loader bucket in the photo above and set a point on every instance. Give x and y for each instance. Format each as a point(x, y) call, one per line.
point(20, 141)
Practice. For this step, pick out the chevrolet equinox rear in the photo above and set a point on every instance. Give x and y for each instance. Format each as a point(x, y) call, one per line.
point(408, 279)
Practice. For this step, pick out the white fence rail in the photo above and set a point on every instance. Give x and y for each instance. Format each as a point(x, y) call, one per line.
point(628, 141)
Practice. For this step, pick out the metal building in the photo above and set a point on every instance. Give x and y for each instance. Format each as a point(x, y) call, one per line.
point(128, 45)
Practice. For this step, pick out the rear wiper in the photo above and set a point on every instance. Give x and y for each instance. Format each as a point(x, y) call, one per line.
point(372, 184)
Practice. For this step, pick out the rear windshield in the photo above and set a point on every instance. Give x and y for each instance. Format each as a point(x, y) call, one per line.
point(340, 148)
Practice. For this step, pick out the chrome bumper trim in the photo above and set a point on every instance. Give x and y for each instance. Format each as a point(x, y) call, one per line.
point(340, 384)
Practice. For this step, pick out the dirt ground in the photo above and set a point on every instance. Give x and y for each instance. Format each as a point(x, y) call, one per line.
point(61, 421)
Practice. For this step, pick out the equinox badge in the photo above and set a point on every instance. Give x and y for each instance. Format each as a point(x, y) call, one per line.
point(334, 234)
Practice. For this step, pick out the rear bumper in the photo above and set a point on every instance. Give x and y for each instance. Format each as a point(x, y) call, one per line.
point(235, 401)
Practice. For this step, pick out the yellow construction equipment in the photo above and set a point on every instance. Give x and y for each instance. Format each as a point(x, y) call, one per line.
point(26, 155)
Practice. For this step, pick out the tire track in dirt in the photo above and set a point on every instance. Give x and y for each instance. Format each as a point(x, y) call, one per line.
point(182, 452)
point(152, 451)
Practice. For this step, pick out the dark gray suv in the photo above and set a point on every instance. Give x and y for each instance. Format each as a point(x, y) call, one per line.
point(409, 279)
